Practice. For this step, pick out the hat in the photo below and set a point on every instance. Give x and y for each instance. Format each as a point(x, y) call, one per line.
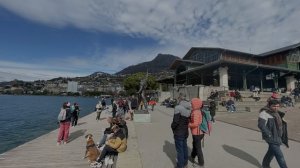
point(273, 102)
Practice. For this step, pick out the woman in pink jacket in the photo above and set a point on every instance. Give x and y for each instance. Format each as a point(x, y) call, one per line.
point(196, 119)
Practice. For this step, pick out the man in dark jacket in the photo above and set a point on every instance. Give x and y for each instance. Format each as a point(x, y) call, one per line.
point(180, 129)
point(274, 132)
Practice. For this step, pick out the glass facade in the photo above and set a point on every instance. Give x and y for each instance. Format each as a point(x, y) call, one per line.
point(205, 55)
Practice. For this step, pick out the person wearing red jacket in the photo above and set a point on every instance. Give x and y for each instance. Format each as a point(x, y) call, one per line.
point(195, 121)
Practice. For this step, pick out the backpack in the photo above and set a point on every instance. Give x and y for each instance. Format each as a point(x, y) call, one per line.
point(72, 108)
point(62, 115)
point(205, 125)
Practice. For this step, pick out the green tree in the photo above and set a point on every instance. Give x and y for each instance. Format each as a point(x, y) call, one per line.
point(132, 83)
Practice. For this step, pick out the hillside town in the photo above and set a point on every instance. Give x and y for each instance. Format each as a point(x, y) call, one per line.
point(86, 86)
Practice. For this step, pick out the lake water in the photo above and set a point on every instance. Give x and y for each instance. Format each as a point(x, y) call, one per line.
point(24, 118)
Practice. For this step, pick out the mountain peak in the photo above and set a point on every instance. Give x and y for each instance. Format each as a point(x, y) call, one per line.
point(160, 63)
point(99, 73)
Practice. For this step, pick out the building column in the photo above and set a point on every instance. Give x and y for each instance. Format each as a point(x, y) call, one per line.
point(160, 87)
point(223, 74)
point(290, 83)
point(244, 80)
point(261, 81)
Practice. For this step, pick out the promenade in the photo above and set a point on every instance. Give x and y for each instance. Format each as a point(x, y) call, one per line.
point(150, 145)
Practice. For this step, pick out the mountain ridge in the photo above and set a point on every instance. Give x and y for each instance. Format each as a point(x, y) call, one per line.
point(161, 62)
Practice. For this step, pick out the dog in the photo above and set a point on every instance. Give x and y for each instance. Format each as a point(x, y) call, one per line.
point(92, 153)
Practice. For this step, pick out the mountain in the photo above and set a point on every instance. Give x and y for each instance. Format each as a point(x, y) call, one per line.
point(161, 62)
point(99, 74)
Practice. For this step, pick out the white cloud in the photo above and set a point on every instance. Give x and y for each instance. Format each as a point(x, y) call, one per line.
point(256, 26)
point(241, 25)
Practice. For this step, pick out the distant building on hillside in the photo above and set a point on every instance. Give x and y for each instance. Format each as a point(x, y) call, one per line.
point(72, 87)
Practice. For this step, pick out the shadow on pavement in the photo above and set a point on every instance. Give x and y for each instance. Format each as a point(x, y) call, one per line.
point(254, 140)
point(81, 123)
point(241, 154)
point(76, 134)
point(170, 151)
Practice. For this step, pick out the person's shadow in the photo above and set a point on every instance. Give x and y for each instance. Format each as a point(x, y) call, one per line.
point(170, 150)
point(76, 134)
point(241, 154)
point(81, 123)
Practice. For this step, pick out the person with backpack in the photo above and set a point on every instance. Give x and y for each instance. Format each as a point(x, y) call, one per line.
point(194, 124)
point(180, 129)
point(64, 118)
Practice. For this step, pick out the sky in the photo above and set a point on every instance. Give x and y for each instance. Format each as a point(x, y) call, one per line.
point(44, 39)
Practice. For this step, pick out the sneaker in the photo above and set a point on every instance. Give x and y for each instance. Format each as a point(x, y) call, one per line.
point(197, 166)
point(58, 143)
point(65, 143)
point(96, 164)
point(191, 159)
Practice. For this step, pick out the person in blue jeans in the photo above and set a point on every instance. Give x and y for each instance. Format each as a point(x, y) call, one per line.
point(274, 132)
point(180, 130)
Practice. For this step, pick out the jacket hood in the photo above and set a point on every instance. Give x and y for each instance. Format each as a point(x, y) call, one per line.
point(266, 108)
point(196, 104)
point(184, 108)
point(185, 104)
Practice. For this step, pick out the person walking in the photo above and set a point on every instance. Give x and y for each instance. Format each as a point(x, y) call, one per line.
point(274, 132)
point(114, 109)
point(133, 105)
point(64, 125)
point(196, 120)
point(98, 110)
point(212, 109)
point(180, 129)
point(75, 114)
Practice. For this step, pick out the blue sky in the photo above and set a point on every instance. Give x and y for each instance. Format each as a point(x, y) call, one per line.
point(43, 39)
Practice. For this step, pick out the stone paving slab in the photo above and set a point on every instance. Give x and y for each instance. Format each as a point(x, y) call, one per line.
point(249, 120)
point(228, 146)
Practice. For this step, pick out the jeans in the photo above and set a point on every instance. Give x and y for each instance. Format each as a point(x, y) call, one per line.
point(274, 150)
point(231, 108)
point(197, 149)
point(182, 151)
point(102, 140)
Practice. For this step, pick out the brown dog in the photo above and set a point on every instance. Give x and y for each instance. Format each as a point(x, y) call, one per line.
point(91, 152)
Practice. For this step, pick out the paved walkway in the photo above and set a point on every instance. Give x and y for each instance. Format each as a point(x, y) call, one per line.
point(43, 152)
point(150, 145)
point(228, 146)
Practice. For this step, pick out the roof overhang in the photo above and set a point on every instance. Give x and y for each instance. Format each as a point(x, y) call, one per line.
point(224, 62)
point(178, 62)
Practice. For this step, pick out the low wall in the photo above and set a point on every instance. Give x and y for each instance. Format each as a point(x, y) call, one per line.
point(163, 96)
point(200, 91)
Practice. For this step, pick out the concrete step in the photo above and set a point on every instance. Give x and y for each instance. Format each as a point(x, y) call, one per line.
point(250, 103)
point(262, 99)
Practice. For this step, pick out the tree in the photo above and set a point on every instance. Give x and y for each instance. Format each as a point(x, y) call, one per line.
point(132, 83)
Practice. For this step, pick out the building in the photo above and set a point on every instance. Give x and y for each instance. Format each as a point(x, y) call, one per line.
point(72, 87)
point(231, 69)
